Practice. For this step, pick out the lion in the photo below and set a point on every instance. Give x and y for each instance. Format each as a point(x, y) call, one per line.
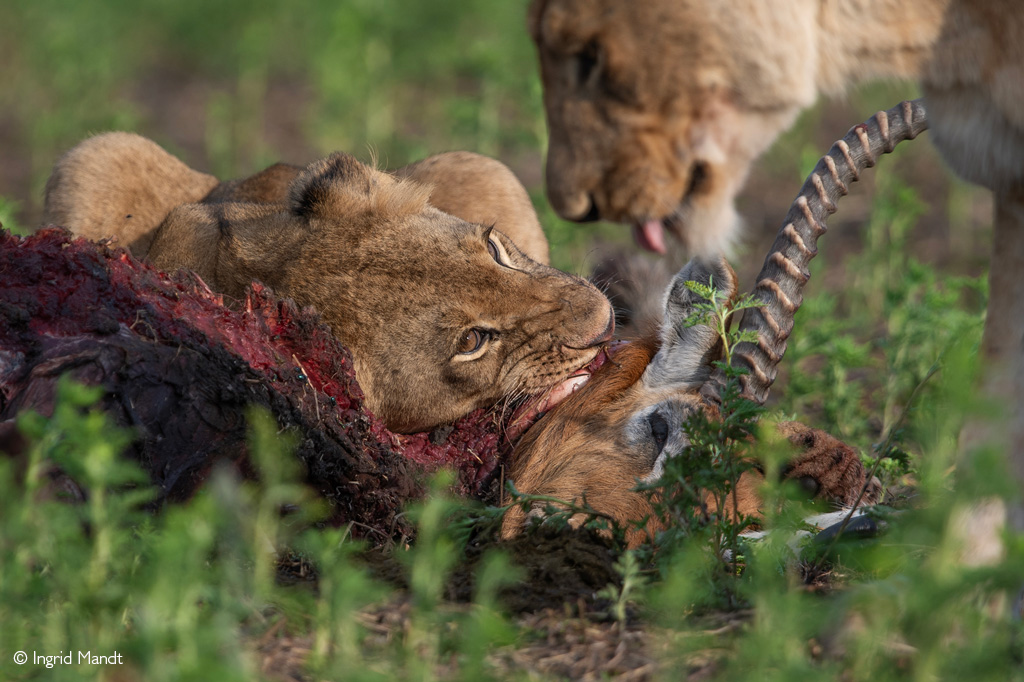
point(442, 315)
point(123, 185)
point(657, 110)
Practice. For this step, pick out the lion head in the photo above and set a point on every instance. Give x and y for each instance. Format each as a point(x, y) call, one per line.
point(657, 109)
point(442, 315)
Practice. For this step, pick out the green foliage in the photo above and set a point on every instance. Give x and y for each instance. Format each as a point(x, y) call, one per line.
point(694, 497)
point(103, 575)
point(630, 590)
point(716, 311)
point(186, 592)
point(885, 357)
point(893, 359)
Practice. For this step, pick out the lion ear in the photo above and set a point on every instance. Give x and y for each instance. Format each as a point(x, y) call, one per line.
point(333, 186)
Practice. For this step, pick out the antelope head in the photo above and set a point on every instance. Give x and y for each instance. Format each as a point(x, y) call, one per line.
point(621, 426)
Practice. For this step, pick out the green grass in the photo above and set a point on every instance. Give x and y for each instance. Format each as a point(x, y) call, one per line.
point(190, 593)
point(884, 356)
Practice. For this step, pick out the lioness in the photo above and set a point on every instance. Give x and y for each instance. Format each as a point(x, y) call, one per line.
point(442, 315)
point(124, 185)
point(657, 109)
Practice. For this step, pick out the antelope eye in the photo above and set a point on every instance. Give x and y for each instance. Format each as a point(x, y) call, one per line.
point(472, 341)
point(659, 430)
point(492, 249)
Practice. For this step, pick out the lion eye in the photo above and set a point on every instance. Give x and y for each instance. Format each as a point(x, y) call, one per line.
point(472, 341)
point(586, 62)
point(492, 249)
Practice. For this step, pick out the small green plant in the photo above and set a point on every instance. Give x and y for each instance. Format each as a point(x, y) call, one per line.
point(631, 589)
point(694, 497)
point(716, 310)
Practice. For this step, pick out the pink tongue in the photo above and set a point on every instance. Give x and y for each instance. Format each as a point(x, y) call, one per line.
point(650, 235)
point(529, 412)
point(563, 390)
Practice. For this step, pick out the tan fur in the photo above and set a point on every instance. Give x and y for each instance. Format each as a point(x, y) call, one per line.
point(124, 185)
point(400, 283)
point(589, 447)
point(474, 187)
point(482, 190)
point(269, 186)
point(120, 184)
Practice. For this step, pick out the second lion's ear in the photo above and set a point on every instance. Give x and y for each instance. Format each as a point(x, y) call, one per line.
point(330, 187)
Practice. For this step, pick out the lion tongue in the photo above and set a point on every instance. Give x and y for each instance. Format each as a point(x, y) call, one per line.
point(529, 413)
point(650, 235)
point(563, 390)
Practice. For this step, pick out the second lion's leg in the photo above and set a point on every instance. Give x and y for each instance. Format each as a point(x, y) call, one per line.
point(1004, 328)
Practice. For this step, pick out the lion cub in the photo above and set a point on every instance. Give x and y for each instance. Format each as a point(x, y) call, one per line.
point(442, 315)
point(123, 185)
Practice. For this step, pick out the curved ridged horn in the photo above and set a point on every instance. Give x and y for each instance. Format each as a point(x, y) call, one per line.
point(784, 274)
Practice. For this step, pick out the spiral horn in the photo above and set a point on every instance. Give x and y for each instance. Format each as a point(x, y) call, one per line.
point(784, 273)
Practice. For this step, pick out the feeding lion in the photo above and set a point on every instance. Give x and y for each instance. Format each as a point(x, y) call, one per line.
point(442, 315)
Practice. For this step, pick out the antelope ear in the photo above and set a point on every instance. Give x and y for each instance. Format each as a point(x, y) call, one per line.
point(687, 350)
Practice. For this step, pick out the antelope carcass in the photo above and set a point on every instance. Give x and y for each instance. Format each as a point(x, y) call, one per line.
point(622, 425)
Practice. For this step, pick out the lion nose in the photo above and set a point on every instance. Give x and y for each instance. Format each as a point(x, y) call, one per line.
point(578, 207)
point(592, 214)
point(606, 335)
